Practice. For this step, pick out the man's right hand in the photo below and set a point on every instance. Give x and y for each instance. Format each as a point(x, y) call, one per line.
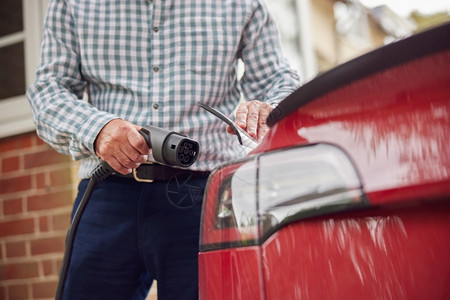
point(121, 145)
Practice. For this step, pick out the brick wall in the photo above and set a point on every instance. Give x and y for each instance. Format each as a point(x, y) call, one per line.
point(37, 188)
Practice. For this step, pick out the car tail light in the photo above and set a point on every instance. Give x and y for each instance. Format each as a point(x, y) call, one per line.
point(250, 199)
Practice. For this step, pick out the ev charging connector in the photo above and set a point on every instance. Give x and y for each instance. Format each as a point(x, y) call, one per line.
point(170, 148)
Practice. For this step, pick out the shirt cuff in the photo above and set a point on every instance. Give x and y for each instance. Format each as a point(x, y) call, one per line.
point(92, 127)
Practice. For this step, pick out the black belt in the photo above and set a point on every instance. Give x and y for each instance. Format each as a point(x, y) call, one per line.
point(149, 172)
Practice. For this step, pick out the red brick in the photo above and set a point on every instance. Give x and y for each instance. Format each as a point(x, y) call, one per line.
point(16, 227)
point(16, 142)
point(24, 270)
point(43, 224)
point(61, 221)
point(18, 292)
point(40, 181)
point(59, 264)
point(10, 164)
point(16, 249)
point(38, 141)
point(50, 201)
point(44, 289)
point(48, 245)
point(44, 158)
point(2, 292)
point(13, 206)
point(15, 184)
point(61, 177)
point(49, 267)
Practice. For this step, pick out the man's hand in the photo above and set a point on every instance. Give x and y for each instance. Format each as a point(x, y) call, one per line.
point(121, 145)
point(252, 117)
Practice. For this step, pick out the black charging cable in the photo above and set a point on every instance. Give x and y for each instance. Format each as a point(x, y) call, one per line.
point(102, 171)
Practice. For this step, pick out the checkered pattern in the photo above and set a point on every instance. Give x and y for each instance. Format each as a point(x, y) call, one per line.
point(151, 62)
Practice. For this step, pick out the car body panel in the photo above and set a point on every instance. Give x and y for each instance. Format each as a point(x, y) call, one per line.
point(232, 274)
point(393, 123)
point(399, 253)
point(395, 253)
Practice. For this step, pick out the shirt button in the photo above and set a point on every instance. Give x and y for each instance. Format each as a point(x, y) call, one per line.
point(155, 29)
point(156, 69)
point(156, 106)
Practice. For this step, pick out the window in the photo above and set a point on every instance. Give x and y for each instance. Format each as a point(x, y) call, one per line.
point(21, 24)
point(12, 80)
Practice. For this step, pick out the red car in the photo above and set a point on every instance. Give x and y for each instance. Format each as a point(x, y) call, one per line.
point(348, 195)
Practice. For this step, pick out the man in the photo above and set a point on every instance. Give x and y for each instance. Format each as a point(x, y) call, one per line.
point(150, 62)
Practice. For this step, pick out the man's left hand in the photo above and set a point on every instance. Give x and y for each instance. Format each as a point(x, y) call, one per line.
point(252, 117)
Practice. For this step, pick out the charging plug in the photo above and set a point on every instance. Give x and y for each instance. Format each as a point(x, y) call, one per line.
point(169, 147)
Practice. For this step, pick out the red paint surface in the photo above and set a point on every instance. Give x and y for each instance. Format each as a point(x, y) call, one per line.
point(399, 253)
point(231, 274)
point(395, 127)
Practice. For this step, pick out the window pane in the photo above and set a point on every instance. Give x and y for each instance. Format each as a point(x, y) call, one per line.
point(12, 75)
point(11, 20)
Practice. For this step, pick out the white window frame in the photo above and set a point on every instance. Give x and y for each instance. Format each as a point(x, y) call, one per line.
point(15, 112)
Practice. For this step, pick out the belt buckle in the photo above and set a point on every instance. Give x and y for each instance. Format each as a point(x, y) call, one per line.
point(136, 175)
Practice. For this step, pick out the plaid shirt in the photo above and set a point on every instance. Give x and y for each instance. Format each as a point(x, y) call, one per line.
point(151, 62)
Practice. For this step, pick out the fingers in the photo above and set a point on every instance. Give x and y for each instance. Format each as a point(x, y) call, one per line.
point(241, 115)
point(137, 141)
point(262, 121)
point(121, 146)
point(252, 116)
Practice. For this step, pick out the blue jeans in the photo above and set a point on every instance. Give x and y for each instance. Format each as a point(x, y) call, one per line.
point(132, 233)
